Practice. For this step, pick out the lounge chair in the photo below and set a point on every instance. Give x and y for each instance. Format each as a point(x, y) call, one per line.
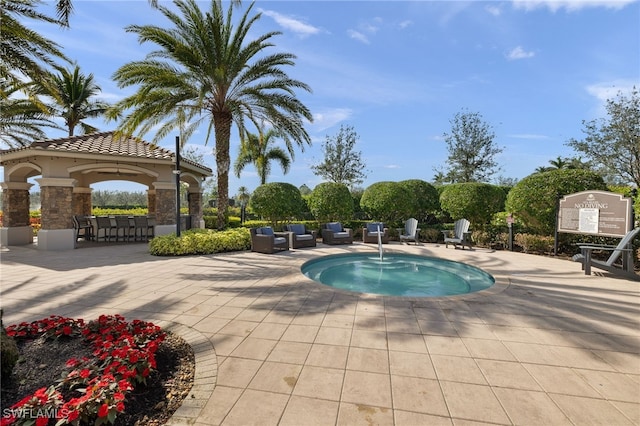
point(335, 233)
point(300, 236)
point(410, 232)
point(623, 249)
point(370, 233)
point(461, 235)
point(264, 240)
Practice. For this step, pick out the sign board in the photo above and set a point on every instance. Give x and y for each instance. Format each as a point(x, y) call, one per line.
point(596, 213)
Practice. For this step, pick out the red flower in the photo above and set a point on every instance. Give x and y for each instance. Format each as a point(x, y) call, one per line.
point(72, 363)
point(118, 396)
point(42, 421)
point(120, 406)
point(85, 373)
point(66, 330)
point(103, 411)
point(6, 421)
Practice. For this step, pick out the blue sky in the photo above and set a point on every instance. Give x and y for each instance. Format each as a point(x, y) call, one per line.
point(399, 71)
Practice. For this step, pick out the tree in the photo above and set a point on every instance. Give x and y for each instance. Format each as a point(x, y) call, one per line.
point(472, 150)
point(72, 96)
point(277, 201)
point(205, 69)
point(21, 120)
point(304, 189)
point(331, 201)
point(564, 163)
point(342, 164)
point(475, 201)
point(24, 51)
point(613, 143)
point(257, 150)
point(389, 202)
point(424, 198)
point(533, 199)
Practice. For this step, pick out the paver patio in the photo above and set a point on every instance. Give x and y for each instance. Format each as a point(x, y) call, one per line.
point(546, 346)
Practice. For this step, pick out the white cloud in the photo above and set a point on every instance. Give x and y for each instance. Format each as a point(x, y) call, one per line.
point(610, 89)
point(324, 119)
point(356, 35)
point(405, 24)
point(493, 10)
point(391, 166)
point(519, 53)
point(529, 136)
point(289, 23)
point(570, 5)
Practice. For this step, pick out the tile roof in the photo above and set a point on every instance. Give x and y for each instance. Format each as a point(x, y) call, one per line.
point(105, 143)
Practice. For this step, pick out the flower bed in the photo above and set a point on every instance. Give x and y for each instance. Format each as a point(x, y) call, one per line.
point(123, 356)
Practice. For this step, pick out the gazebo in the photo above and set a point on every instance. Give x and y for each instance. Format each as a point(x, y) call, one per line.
point(68, 167)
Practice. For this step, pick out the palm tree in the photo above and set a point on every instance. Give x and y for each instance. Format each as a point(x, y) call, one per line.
point(25, 52)
point(72, 93)
point(256, 150)
point(207, 69)
point(21, 119)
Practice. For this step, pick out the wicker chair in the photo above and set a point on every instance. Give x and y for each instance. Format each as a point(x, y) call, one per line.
point(335, 233)
point(300, 236)
point(264, 240)
point(370, 233)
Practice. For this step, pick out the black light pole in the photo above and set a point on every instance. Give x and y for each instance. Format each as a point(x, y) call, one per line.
point(177, 173)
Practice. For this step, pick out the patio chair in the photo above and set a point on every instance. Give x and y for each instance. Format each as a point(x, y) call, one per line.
point(108, 228)
point(622, 250)
point(461, 235)
point(334, 233)
point(83, 227)
point(144, 228)
point(264, 240)
point(370, 233)
point(300, 236)
point(410, 232)
point(127, 227)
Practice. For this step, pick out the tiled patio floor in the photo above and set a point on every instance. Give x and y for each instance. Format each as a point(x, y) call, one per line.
point(547, 346)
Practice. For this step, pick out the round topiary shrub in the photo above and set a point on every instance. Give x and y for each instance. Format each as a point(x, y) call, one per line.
point(425, 198)
point(533, 199)
point(474, 201)
point(390, 202)
point(330, 201)
point(277, 201)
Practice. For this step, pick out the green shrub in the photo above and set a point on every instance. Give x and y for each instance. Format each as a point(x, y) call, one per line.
point(423, 197)
point(330, 201)
point(533, 199)
point(474, 201)
point(277, 201)
point(390, 202)
point(9, 353)
point(531, 243)
point(201, 241)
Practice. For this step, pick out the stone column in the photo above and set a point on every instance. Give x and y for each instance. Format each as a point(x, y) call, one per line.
point(151, 202)
point(165, 208)
point(16, 229)
point(56, 196)
point(195, 209)
point(82, 201)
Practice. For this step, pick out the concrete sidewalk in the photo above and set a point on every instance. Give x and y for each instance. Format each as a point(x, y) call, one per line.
point(546, 346)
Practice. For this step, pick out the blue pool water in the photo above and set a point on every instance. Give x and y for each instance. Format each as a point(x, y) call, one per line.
point(397, 275)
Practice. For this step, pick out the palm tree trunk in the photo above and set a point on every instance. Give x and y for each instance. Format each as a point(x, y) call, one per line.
point(222, 125)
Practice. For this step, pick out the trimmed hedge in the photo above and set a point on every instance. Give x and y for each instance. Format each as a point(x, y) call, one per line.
point(201, 241)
